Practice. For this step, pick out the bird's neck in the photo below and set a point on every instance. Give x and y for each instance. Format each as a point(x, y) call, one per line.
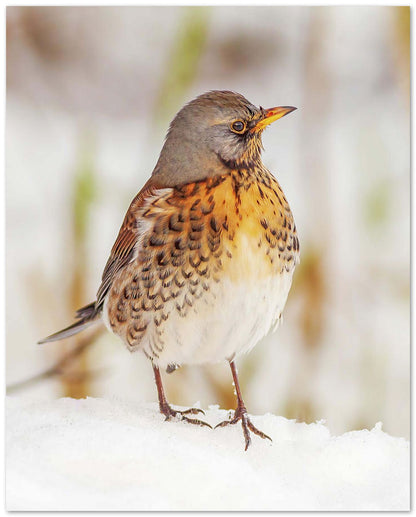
point(180, 162)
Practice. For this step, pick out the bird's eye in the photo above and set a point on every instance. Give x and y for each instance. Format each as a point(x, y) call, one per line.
point(238, 126)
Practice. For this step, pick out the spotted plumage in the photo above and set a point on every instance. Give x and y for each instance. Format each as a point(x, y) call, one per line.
point(189, 244)
point(203, 262)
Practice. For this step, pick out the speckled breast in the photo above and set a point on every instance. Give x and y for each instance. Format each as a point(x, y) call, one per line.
point(203, 245)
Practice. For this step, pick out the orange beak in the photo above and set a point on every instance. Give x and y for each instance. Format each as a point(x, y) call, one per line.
point(272, 114)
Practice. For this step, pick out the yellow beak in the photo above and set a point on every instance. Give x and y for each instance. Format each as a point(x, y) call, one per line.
point(272, 114)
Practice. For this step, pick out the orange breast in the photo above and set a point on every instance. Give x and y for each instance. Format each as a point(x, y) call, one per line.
point(257, 227)
point(239, 226)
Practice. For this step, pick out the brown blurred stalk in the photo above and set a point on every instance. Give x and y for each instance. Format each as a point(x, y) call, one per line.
point(75, 377)
point(310, 278)
point(60, 367)
point(183, 60)
point(402, 40)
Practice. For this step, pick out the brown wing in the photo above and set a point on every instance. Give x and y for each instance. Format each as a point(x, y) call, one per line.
point(129, 235)
point(179, 256)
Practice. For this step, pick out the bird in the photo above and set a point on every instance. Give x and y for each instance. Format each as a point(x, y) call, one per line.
point(204, 259)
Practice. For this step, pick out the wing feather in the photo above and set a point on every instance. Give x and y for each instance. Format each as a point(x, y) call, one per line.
point(129, 237)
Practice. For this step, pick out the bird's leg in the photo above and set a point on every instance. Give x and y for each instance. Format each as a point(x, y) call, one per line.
point(241, 413)
point(165, 408)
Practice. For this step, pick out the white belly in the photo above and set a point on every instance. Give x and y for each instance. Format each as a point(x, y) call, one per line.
point(225, 324)
point(227, 319)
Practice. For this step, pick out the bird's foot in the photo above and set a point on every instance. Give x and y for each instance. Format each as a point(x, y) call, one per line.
point(171, 413)
point(241, 414)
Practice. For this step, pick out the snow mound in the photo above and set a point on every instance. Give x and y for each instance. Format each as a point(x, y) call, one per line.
point(96, 454)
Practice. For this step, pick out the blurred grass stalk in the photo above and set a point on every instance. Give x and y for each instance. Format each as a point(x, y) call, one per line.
point(183, 60)
point(310, 280)
point(75, 379)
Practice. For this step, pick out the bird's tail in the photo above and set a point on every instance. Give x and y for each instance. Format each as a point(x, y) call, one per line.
point(86, 316)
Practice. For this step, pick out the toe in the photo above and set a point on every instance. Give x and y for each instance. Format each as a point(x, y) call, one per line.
point(196, 422)
point(223, 424)
point(257, 431)
point(192, 411)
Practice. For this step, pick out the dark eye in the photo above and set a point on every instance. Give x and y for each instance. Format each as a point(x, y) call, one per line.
point(238, 126)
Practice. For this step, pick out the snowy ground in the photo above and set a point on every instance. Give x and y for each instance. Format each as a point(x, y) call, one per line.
point(97, 454)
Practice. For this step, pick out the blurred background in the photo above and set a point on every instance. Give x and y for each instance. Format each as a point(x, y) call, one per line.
point(90, 93)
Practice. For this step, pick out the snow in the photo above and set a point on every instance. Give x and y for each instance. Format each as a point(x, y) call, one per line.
point(99, 454)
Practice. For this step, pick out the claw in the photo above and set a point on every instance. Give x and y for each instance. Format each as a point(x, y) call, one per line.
point(170, 413)
point(223, 424)
point(257, 431)
point(196, 421)
point(173, 413)
point(246, 424)
point(192, 411)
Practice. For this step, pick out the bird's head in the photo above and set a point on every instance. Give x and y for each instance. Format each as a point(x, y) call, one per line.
point(214, 133)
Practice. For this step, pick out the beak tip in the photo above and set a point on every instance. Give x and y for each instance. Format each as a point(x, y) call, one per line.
point(272, 114)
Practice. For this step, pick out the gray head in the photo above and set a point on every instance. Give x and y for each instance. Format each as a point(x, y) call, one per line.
point(212, 134)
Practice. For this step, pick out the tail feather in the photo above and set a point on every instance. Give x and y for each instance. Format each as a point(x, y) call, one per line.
point(87, 316)
point(87, 312)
